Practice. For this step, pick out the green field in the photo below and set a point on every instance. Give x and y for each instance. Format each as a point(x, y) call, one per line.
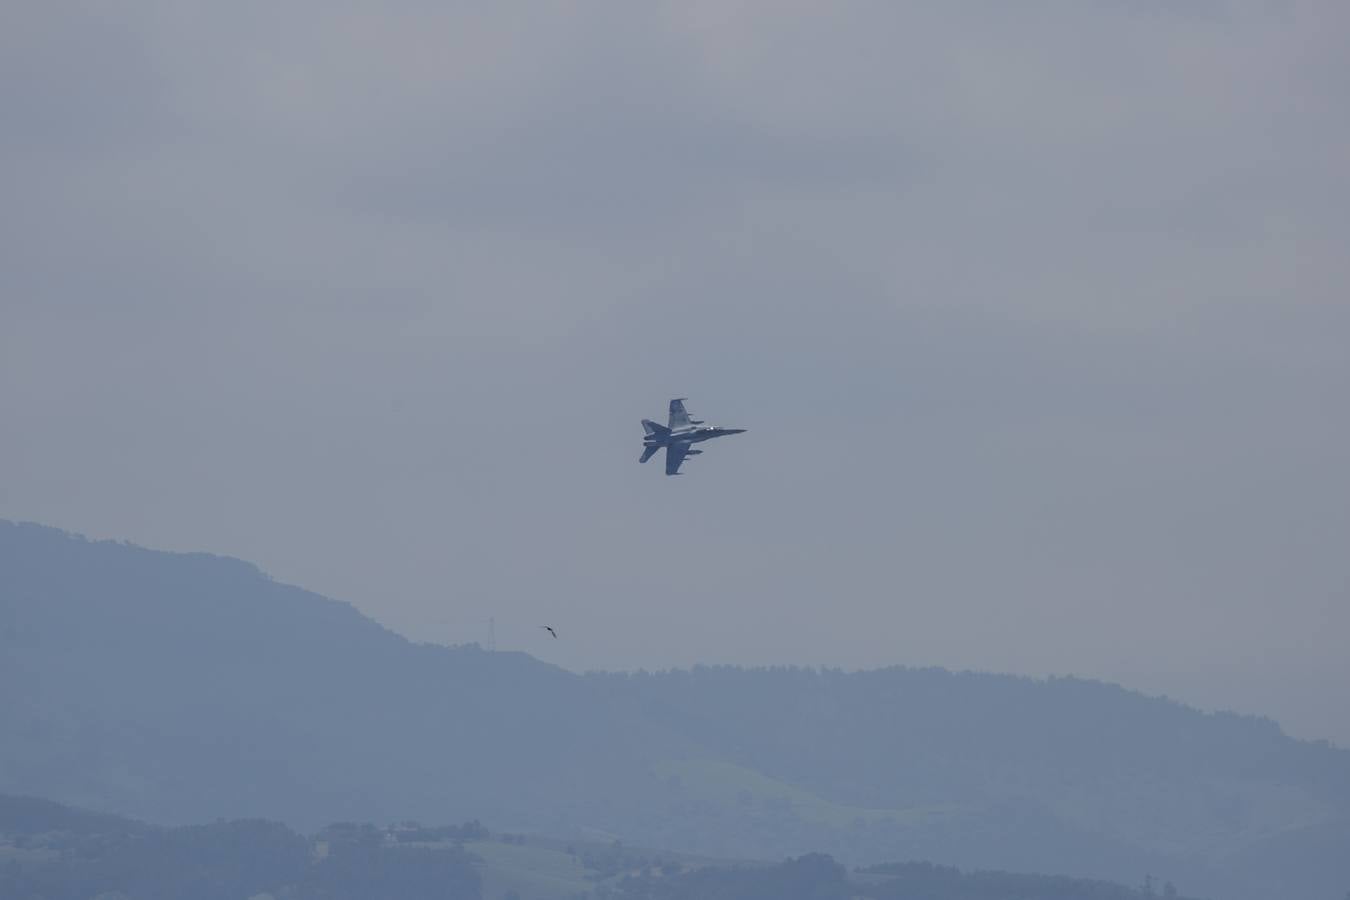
point(532, 871)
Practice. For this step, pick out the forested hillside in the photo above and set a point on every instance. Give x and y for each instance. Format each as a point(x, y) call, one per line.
point(58, 853)
point(180, 688)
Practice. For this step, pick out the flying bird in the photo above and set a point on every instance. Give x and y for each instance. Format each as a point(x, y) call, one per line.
point(549, 629)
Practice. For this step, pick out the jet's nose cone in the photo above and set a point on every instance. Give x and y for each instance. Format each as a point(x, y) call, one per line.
point(737, 430)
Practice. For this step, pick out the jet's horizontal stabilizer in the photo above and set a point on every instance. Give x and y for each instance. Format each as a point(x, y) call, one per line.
point(654, 429)
point(648, 453)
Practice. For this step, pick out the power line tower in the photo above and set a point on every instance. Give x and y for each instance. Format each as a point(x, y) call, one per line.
point(492, 634)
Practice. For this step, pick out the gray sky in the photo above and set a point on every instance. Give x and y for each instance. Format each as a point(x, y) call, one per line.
point(1037, 314)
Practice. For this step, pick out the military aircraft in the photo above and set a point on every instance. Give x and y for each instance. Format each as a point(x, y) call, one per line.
point(678, 437)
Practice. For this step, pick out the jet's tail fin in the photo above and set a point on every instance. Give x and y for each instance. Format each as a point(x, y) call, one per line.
point(648, 453)
point(654, 429)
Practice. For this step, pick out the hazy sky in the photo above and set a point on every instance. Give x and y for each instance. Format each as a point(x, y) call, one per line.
point(1037, 314)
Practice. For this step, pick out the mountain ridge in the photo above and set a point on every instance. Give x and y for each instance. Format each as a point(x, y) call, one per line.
point(175, 687)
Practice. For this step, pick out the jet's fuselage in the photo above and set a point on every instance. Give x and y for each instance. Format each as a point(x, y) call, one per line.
point(689, 436)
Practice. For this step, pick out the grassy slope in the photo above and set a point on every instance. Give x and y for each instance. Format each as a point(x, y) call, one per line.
point(728, 784)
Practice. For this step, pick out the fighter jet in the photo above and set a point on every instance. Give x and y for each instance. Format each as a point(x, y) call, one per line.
point(678, 437)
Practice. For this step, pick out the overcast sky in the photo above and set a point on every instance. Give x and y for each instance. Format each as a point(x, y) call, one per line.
point(1036, 313)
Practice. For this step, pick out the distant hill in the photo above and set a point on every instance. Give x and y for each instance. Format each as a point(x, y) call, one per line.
point(56, 853)
point(59, 853)
point(183, 687)
point(34, 815)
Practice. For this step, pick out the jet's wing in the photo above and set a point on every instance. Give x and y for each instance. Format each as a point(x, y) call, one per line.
point(679, 418)
point(675, 454)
